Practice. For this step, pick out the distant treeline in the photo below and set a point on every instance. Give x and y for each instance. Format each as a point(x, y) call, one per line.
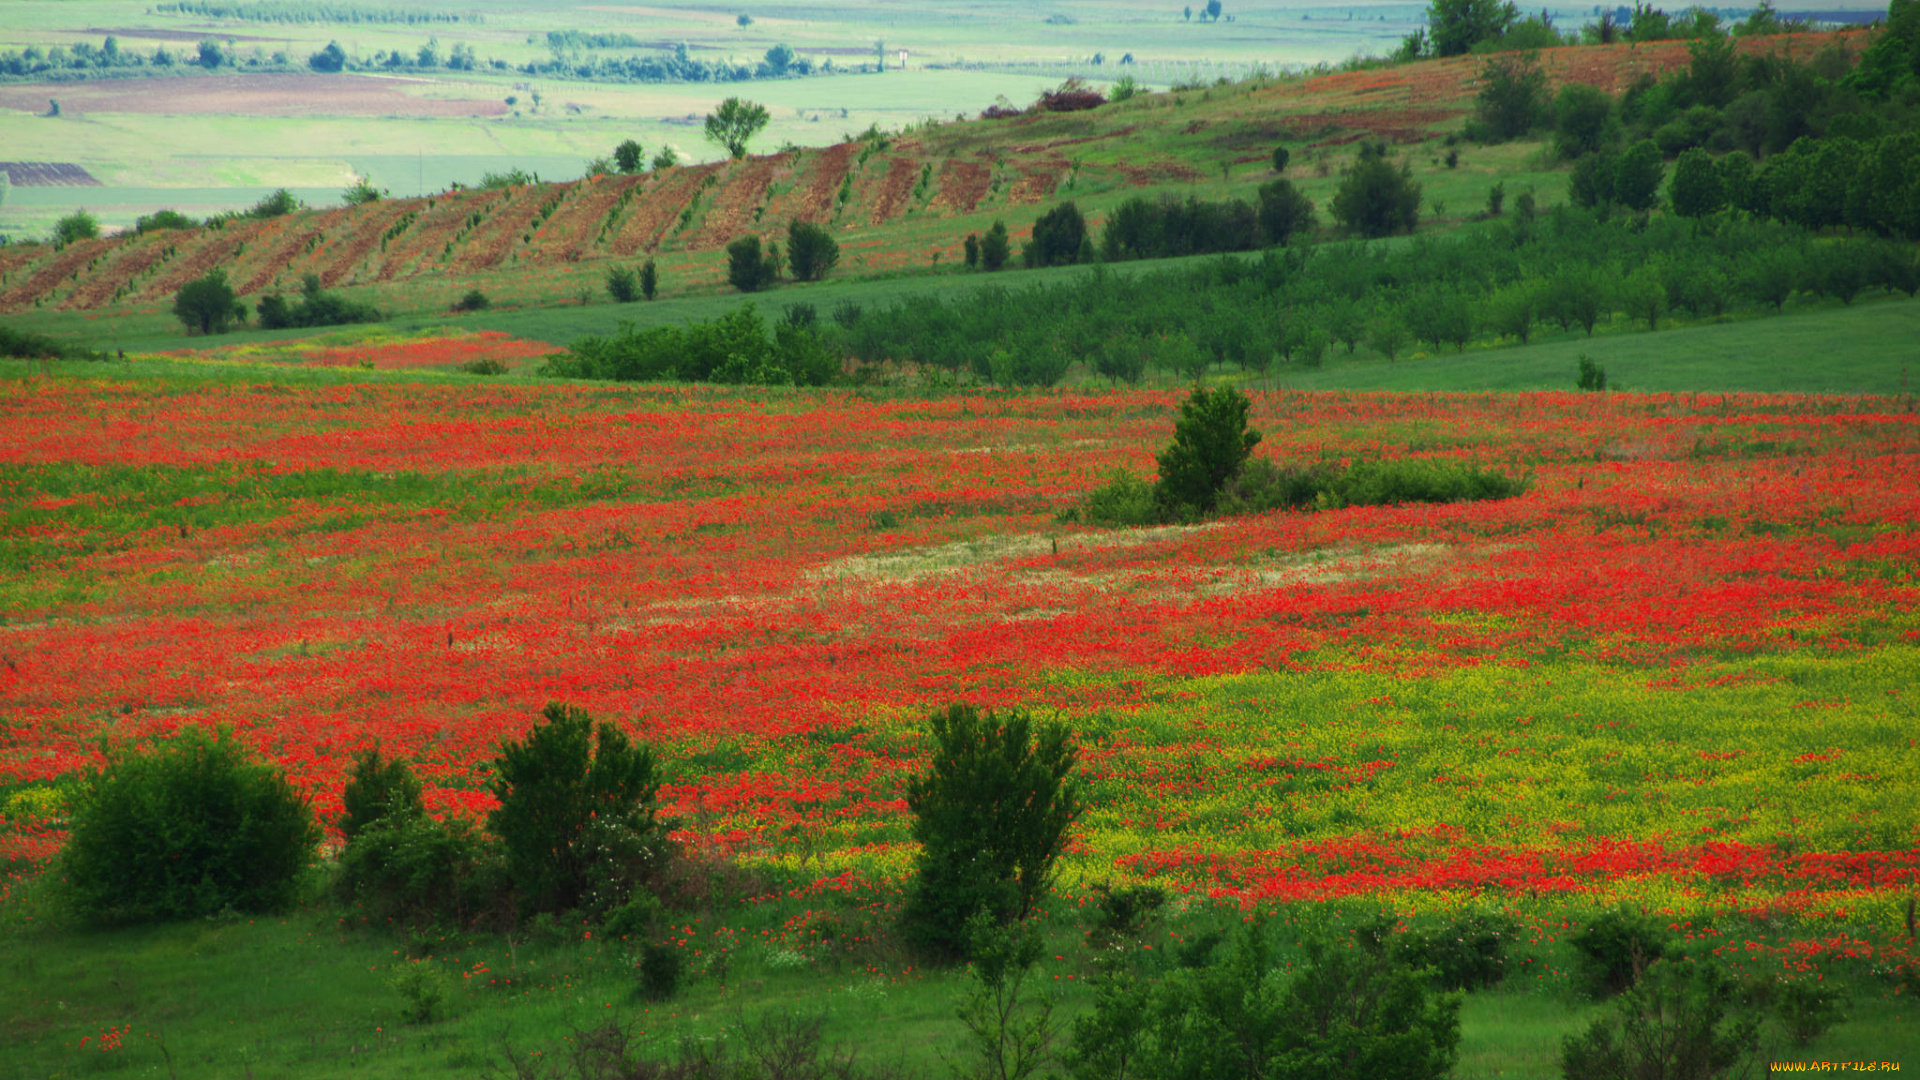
point(297, 11)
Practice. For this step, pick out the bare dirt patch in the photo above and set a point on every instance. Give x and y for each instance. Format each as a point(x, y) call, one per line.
point(248, 95)
point(47, 174)
point(813, 200)
point(1037, 181)
point(731, 214)
point(68, 263)
point(962, 185)
point(656, 210)
point(889, 201)
point(911, 563)
point(131, 260)
point(339, 258)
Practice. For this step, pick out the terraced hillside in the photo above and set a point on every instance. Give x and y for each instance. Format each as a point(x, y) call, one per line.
point(895, 202)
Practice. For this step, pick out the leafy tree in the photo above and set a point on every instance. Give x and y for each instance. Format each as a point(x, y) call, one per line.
point(163, 219)
point(571, 794)
point(1374, 198)
point(211, 55)
point(76, 226)
point(811, 252)
point(649, 279)
point(666, 158)
point(629, 156)
point(361, 193)
point(972, 248)
point(747, 268)
point(991, 815)
point(1455, 26)
point(1284, 211)
point(734, 122)
point(1580, 117)
point(1636, 182)
point(1058, 236)
point(623, 285)
point(207, 304)
point(278, 204)
point(1696, 190)
point(1211, 441)
point(1592, 182)
point(1513, 95)
point(331, 59)
point(194, 828)
point(1280, 158)
point(995, 248)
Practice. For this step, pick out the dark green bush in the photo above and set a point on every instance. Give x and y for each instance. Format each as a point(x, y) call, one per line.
point(1617, 946)
point(1121, 914)
point(649, 279)
point(1284, 212)
point(1211, 441)
point(1125, 501)
point(662, 969)
point(378, 786)
point(404, 867)
point(1685, 1020)
point(995, 247)
point(164, 219)
point(1385, 483)
point(811, 251)
point(991, 815)
point(474, 300)
point(576, 818)
point(1465, 953)
point(1593, 377)
point(195, 827)
point(623, 285)
point(748, 269)
point(1806, 1008)
point(317, 307)
point(1375, 199)
point(1058, 236)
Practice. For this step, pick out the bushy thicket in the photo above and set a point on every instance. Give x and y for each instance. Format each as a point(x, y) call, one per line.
point(734, 348)
point(1500, 279)
point(199, 826)
point(316, 307)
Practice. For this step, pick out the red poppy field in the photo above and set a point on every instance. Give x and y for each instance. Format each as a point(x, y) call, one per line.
point(1678, 671)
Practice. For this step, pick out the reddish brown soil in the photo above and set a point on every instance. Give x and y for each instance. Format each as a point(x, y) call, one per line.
point(72, 260)
point(812, 200)
point(888, 199)
point(200, 251)
point(1037, 181)
point(575, 226)
point(247, 95)
point(655, 212)
point(430, 234)
point(962, 185)
point(134, 257)
point(1159, 172)
point(293, 246)
point(490, 244)
point(734, 201)
point(351, 250)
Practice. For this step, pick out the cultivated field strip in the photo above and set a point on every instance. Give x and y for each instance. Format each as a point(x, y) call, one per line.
point(886, 196)
point(962, 185)
point(208, 250)
point(490, 243)
point(350, 251)
point(734, 201)
point(69, 262)
point(129, 262)
point(575, 227)
point(294, 246)
point(436, 228)
point(812, 198)
point(655, 212)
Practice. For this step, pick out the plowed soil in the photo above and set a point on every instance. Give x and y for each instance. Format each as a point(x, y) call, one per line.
point(812, 199)
point(134, 259)
point(574, 227)
point(291, 248)
point(247, 95)
point(47, 174)
point(1037, 181)
point(739, 194)
point(49, 277)
point(352, 249)
point(207, 249)
point(436, 226)
point(962, 185)
point(656, 211)
point(490, 243)
point(888, 199)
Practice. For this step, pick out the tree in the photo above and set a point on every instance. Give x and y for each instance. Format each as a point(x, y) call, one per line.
point(1636, 182)
point(972, 248)
point(76, 226)
point(1513, 95)
point(328, 60)
point(572, 794)
point(629, 157)
point(811, 252)
point(1213, 10)
point(379, 786)
point(1580, 116)
point(1696, 190)
point(995, 248)
point(1211, 441)
point(1684, 1021)
point(1375, 199)
point(1280, 158)
point(208, 304)
point(1284, 211)
point(734, 122)
point(1456, 26)
point(747, 269)
point(623, 285)
point(194, 828)
point(1592, 182)
point(361, 193)
point(666, 158)
point(211, 55)
point(649, 279)
point(1058, 236)
point(990, 814)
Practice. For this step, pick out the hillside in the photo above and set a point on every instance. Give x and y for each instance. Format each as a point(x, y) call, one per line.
point(896, 203)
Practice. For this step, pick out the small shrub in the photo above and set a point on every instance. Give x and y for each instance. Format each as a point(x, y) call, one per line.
point(1280, 158)
point(163, 219)
point(649, 279)
point(486, 365)
point(474, 300)
point(193, 828)
point(278, 204)
point(1593, 377)
point(623, 285)
point(995, 247)
point(407, 868)
point(75, 227)
point(1467, 953)
point(1681, 1022)
point(1496, 199)
point(1807, 1008)
point(377, 787)
point(361, 193)
point(811, 252)
point(1211, 441)
point(662, 969)
point(991, 814)
point(422, 989)
point(1125, 501)
point(1121, 914)
point(1617, 946)
point(748, 269)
